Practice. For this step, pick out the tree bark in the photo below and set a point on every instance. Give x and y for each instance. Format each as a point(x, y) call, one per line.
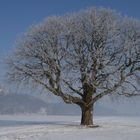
point(87, 115)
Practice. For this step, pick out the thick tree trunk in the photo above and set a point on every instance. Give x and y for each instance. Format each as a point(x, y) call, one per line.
point(87, 115)
point(87, 110)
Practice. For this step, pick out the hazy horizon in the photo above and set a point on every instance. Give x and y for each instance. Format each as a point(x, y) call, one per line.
point(17, 16)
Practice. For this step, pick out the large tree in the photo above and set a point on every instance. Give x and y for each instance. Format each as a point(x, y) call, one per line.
point(81, 57)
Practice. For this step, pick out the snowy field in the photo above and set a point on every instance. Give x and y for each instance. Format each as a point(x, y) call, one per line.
point(68, 128)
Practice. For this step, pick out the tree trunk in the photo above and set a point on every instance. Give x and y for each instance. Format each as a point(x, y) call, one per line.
point(87, 115)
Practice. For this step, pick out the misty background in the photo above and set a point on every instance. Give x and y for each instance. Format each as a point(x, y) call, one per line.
point(16, 18)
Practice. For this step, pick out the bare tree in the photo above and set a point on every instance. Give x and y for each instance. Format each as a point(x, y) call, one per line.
point(81, 57)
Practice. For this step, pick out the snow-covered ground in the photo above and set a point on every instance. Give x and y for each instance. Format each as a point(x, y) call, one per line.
point(68, 128)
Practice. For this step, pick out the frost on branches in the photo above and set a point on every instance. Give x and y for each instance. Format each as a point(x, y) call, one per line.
point(81, 57)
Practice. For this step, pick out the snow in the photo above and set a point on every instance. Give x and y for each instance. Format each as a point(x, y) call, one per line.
point(67, 128)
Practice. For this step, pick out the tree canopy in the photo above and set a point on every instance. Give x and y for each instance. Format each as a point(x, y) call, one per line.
point(81, 57)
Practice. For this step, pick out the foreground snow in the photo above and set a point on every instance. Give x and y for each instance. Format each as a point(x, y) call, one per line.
point(68, 128)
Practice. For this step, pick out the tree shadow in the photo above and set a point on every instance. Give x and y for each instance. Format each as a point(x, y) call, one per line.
point(20, 123)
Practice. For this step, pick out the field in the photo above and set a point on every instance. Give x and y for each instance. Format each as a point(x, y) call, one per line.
point(33, 127)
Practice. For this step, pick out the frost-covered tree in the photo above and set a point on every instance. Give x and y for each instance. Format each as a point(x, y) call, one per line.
point(81, 57)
